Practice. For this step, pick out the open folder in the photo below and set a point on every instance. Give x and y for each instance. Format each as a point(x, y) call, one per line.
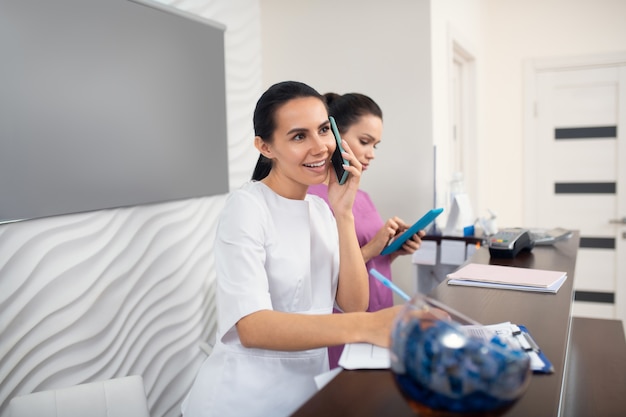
point(508, 277)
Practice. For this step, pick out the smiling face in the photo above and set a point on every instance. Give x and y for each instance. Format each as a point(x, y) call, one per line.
point(363, 137)
point(300, 147)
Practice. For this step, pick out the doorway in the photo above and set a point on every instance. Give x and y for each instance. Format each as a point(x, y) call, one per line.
point(575, 170)
point(457, 155)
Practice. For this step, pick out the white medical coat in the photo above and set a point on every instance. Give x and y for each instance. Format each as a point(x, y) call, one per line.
point(271, 253)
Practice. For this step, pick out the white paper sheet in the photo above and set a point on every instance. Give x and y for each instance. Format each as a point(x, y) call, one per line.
point(322, 379)
point(367, 356)
point(364, 356)
point(507, 332)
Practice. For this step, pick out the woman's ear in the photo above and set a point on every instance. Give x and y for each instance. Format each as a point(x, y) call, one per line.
point(263, 147)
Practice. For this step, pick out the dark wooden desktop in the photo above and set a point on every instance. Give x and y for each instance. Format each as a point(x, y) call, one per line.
point(547, 317)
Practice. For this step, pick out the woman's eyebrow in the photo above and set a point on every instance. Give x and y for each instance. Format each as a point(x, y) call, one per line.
point(304, 130)
point(371, 138)
point(297, 130)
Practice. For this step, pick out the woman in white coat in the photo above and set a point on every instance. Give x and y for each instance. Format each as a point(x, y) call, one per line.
point(283, 261)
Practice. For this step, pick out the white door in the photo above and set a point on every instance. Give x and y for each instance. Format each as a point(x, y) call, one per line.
point(575, 171)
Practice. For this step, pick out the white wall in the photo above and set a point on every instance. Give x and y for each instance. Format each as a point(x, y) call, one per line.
point(377, 48)
point(517, 31)
point(503, 35)
point(398, 52)
point(460, 22)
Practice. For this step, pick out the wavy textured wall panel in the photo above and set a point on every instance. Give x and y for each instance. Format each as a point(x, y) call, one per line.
point(97, 295)
point(118, 292)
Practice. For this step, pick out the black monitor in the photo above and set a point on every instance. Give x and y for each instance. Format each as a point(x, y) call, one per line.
point(108, 103)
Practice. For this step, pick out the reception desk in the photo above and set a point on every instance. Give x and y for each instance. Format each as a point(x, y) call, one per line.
point(548, 318)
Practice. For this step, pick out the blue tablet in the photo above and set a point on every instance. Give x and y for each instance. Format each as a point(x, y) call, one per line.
point(417, 226)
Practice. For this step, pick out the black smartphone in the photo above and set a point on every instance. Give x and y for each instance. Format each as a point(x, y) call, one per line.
point(336, 158)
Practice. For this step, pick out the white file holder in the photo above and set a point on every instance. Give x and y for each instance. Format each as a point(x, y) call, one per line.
point(460, 215)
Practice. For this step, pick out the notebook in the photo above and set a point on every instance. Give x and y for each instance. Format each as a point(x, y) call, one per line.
point(508, 277)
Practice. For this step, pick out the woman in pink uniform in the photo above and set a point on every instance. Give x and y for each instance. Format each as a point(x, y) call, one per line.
point(360, 123)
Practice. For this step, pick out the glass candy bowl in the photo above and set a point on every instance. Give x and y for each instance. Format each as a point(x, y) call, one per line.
point(442, 370)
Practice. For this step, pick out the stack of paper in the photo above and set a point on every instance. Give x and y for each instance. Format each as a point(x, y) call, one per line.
point(508, 277)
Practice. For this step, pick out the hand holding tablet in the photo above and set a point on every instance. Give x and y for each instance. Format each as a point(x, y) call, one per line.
point(417, 226)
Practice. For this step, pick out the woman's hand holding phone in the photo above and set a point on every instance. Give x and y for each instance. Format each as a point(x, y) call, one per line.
point(337, 158)
point(341, 196)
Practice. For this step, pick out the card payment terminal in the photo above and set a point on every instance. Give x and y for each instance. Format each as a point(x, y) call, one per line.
point(507, 243)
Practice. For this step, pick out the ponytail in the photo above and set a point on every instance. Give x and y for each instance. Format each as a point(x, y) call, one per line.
point(262, 168)
point(347, 109)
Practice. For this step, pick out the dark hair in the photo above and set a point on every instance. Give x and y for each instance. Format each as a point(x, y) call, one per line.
point(348, 108)
point(264, 116)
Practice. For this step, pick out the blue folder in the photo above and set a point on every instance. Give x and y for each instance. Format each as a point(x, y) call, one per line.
point(548, 368)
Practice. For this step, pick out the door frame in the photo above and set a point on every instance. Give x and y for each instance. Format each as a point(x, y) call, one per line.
point(462, 115)
point(534, 67)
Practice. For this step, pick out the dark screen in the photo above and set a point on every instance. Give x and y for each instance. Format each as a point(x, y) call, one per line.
point(108, 103)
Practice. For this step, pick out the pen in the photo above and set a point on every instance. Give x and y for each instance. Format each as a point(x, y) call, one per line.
point(389, 284)
point(531, 341)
